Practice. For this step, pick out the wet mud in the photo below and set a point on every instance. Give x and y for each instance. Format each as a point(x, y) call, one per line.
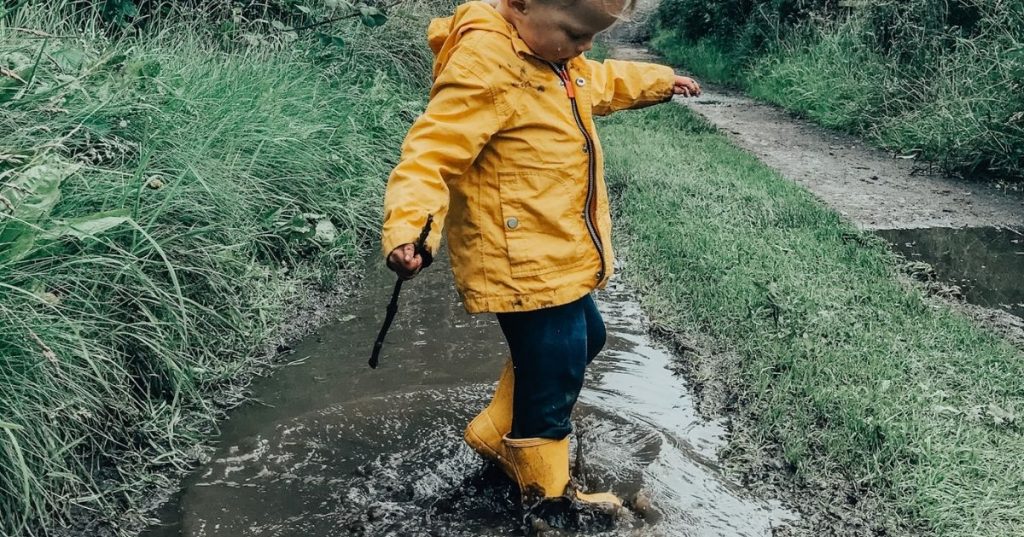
point(985, 264)
point(334, 448)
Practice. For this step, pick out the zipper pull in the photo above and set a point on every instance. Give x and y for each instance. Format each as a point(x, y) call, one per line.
point(563, 73)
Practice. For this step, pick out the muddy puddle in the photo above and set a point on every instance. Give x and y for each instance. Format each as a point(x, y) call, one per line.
point(333, 448)
point(986, 263)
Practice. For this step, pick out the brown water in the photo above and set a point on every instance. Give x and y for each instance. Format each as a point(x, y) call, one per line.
point(334, 448)
point(987, 263)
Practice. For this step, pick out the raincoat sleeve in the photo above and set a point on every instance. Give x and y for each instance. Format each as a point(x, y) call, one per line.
point(620, 85)
point(460, 119)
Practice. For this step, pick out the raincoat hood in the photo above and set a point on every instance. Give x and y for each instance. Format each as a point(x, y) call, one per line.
point(444, 34)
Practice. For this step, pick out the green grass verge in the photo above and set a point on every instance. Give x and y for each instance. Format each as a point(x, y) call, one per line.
point(707, 59)
point(849, 371)
point(166, 201)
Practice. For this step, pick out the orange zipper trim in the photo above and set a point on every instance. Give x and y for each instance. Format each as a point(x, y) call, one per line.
point(570, 91)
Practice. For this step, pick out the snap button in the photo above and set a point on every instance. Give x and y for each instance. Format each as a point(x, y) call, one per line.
point(580, 82)
point(586, 149)
point(512, 223)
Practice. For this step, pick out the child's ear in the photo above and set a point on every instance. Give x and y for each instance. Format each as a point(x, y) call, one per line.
point(519, 6)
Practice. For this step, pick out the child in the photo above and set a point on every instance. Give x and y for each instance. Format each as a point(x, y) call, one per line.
point(506, 156)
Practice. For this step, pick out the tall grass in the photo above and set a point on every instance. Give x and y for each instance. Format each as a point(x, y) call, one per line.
point(708, 59)
point(940, 80)
point(195, 187)
point(853, 378)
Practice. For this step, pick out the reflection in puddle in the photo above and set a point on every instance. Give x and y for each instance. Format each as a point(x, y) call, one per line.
point(987, 263)
point(381, 453)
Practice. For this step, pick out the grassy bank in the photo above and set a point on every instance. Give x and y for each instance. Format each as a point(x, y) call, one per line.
point(937, 80)
point(847, 372)
point(165, 202)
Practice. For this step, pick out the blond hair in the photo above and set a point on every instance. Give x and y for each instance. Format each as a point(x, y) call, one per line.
point(627, 9)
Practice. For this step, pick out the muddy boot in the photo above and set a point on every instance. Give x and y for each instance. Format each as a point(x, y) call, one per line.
point(541, 468)
point(485, 432)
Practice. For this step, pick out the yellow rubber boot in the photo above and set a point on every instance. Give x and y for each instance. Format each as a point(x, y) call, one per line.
point(541, 467)
point(485, 432)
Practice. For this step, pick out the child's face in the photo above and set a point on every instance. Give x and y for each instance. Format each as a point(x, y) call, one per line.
point(559, 33)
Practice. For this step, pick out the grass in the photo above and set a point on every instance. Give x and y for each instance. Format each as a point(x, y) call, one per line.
point(167, 202)
point(842, 368)
point(707, 58)
point(960, 108)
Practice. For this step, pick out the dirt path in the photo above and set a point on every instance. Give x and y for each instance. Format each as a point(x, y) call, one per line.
point(867, 186)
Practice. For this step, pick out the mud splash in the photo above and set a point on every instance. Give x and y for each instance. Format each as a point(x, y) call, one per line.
point(986, 263)
point(338, 449)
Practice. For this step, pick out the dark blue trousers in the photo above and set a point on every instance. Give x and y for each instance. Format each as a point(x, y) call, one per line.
point(550, 349)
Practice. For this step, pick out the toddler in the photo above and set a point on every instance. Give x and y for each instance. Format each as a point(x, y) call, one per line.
point(506, 159)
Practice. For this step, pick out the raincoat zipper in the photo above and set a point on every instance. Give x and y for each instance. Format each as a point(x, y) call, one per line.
point(563, 73)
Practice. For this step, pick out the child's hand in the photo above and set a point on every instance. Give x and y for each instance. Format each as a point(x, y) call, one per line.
point(405, 261)
point(686, 86)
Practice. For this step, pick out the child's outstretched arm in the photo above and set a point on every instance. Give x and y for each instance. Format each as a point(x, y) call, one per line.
point(441, 145)
point(621, 85)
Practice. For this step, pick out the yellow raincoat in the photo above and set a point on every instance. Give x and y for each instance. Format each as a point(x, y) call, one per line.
point(506, 157)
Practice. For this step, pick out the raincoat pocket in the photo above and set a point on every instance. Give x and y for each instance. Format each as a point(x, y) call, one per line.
point(543, 222)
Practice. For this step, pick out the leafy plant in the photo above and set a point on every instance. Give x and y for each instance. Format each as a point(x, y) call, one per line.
point(26, 199)
point(119, 12)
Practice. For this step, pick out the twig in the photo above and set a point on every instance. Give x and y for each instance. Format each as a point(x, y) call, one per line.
point(12, 74)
